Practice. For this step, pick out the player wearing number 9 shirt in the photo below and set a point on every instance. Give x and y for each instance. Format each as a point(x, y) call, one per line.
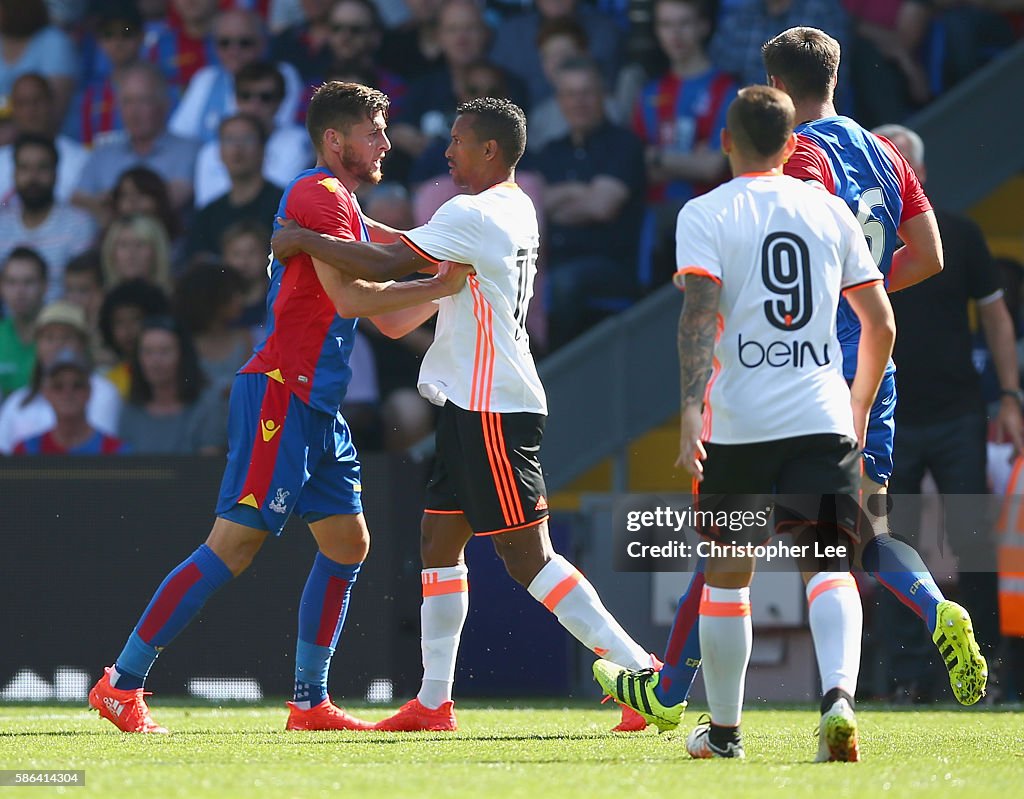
point(882, 190)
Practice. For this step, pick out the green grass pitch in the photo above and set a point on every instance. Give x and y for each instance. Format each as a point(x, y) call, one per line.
point(505, 750)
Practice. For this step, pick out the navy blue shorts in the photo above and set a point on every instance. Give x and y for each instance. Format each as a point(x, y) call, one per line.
point(881, 430)
point(285, 457)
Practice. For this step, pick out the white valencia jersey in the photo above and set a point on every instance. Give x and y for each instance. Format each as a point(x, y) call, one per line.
point(480, 359)
point(783, 252)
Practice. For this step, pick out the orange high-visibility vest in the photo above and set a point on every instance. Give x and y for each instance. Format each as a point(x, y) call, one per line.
point(1010, 555)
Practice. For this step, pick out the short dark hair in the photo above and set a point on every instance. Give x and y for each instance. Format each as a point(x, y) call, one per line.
point(760, 120)
point(20, 19)
point(700, 6)
point(205, 288)
point(23, 253)
point(36, 140)
point(805, 59)
point(254, 122)
point(36, 78)
point(150, 183)
point(140, 294)
point(246, 226)
point(340, 105)
point(563, 26)
point(501, 120)
point(261, 70)
point(86, 263)
point(191, 380)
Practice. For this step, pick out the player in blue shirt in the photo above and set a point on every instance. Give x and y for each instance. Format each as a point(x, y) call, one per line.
point(289, 448)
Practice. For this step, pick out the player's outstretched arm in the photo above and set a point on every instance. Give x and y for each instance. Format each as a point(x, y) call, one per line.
point(696, 343)
point(921, 255)
point(373, 262)
point(354, 298)
point(878, 332)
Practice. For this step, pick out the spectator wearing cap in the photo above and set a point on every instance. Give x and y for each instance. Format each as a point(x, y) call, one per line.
point(66, 386)
point(210, 96)
point(114, 44)
point(22, 286)
point(242, 143)
point(54, 229)
point(32, 111)
point(259, 90)
point(27, 413)
point(145, 141)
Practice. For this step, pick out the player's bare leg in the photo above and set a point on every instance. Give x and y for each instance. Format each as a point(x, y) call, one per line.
point(119, 695)
point(343, 541)
point(553, 581)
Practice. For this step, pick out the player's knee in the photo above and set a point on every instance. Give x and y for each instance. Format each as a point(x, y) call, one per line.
point(521, 564)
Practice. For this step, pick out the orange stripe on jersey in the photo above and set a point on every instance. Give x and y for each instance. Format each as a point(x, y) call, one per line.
point(682, 272)
point(419, 250)
point(488, 376)
point(477, 354)
point(859, 286)
point(496, 473)
point(483, 359)
point(506, 466)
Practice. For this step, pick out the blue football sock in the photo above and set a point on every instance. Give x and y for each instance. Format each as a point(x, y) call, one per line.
point(898, 567)
point(682, 653)
point(321, 617)
point(176, 602)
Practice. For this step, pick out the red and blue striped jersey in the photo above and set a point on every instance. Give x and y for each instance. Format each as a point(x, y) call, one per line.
point(45, 444)
point(680, 114)
point(877, 184)
point(177, 55)
point(308, 345)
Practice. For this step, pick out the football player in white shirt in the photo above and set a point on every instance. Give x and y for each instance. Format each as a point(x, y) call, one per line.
point(487, 477)
point(765, 408)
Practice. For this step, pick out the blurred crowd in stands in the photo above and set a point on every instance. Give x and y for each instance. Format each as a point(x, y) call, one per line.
point(145, 144)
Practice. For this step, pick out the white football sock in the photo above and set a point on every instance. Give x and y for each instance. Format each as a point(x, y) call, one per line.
point(561, 588)
point(725, 642)
point(836, 619)
point(442, 614)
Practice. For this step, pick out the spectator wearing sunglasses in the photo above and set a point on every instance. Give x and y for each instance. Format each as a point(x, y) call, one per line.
point(259, 90)
point(240, 41)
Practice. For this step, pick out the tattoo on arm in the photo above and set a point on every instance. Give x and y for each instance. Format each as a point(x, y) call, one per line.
point(698, 325)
